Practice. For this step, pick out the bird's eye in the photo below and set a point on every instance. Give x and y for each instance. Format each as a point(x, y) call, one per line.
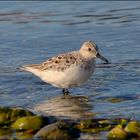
point(89, 49)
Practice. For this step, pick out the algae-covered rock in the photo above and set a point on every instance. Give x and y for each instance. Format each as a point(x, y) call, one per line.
point(59, 130)
point(3, 119)
point(9, 115)
point(30, 123)
point(19, 112)
point(24, 135)
point(117, 133)
point(85, 124)
point(123, 122)
point(133, 128)
point(93, 125)
point(103, 123)
point(5, 132)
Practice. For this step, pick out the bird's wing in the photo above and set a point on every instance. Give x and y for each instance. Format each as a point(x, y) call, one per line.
point(60, 63)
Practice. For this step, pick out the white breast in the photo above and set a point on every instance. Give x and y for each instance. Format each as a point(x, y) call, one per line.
point(72, 76)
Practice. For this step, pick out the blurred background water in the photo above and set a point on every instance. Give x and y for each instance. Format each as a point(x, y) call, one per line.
point(31, 32)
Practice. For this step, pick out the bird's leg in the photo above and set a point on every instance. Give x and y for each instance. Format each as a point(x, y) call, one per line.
point(65, 91)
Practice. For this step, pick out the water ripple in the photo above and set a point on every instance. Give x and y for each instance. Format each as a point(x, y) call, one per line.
point(30, 32)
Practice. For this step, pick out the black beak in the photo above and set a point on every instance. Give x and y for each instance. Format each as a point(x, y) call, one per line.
point(101, 57)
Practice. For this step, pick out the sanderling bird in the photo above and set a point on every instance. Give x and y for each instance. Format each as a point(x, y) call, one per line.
point(68, 69)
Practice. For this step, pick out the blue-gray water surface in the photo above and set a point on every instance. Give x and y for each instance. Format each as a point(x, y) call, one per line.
point(31, 32)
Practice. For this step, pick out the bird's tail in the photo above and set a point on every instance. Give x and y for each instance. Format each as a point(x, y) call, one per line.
point(22, 68)
point(33, 68)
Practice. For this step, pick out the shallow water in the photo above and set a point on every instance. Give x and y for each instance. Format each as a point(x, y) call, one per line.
point(31, 32)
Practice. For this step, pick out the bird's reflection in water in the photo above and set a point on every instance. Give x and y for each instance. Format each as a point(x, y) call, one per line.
point(66, 106)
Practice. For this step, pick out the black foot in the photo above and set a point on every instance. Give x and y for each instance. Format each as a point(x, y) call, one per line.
point(65, 91)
